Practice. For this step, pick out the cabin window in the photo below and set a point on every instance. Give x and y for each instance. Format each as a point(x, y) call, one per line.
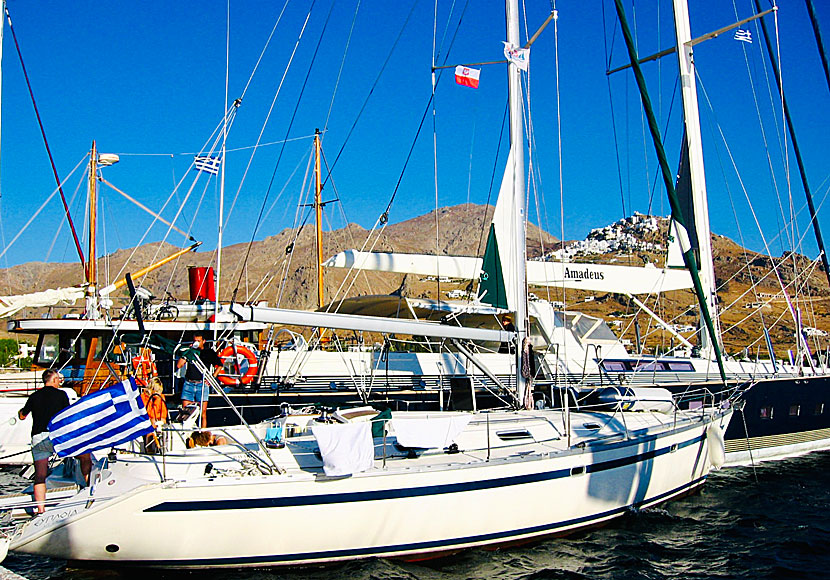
point(651, 365)
point(795, 410)
point(680, 366)
point(84, 343)
point(515, 434)
point(614, 365)
point(819, 410)
point(766, 412)
point(49, 349)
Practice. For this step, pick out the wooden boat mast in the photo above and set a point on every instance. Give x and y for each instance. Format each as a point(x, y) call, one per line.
point(91, 295)
point(318, 210)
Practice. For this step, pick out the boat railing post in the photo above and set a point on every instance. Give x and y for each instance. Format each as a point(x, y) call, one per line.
point(487, 415)
point(384, 442)
point(440, 366)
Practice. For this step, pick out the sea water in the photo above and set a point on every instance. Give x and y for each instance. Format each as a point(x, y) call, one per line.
point(769, 522)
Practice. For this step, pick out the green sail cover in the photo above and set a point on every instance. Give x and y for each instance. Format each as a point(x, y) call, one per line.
point(491, 282)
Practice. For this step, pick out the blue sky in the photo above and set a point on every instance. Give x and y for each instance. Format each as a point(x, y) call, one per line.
point(146, 80)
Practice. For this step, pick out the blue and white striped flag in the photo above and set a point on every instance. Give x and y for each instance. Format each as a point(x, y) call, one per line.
point(103, 419)
point(743, 35)
point(207, 164)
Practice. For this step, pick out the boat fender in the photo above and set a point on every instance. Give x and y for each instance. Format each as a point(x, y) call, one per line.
point(717, 446)
point(247, 366)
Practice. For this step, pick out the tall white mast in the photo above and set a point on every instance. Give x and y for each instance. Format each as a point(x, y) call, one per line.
point(514, 85)
point(222, 181)
point(698, 177)
point(2, 26)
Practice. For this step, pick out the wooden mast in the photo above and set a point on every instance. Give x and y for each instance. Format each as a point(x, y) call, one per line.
point(91, 297)
point(318, 208)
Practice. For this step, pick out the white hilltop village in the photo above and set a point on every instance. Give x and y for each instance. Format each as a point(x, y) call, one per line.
point(625, 235)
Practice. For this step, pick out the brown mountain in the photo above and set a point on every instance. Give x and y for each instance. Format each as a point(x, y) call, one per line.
point(289, 255)
point(281, 270)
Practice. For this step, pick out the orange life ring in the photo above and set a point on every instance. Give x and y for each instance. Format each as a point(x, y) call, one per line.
point(144, 366)
point(245, 361)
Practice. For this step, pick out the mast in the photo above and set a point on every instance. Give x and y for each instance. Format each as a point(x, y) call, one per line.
point(219, 236)
point(318, 211)
point(2, 26)
point(514, 85)
point(802, 170)
point(698, 177)
point(91, 274)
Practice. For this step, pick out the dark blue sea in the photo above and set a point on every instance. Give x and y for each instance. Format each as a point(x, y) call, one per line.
point(777, 526)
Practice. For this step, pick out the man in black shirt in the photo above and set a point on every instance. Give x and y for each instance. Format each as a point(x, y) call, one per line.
point(194, 388)
point(44, 404)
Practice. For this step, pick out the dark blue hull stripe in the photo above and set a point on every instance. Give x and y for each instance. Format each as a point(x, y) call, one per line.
point(425, 547)
point(352, 497)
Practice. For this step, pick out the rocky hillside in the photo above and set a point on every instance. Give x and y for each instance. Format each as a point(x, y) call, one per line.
point(281, 270)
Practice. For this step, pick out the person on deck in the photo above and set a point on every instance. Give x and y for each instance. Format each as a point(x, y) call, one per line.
point(204, 439)
point(194, 388)
point(156, 407)
point(507, 324)
point(44, 404)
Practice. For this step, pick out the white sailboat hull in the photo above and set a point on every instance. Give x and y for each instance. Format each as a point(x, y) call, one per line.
point(411, 508)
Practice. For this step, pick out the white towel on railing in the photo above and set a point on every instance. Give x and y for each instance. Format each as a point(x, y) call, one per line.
point(429, 432)
point(346, 448)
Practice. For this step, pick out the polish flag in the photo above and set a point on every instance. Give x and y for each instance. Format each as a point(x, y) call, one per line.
point(467, 76)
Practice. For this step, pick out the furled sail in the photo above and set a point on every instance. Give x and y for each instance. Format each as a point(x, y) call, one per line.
point(10, 305)
point(591, 277)
point(497, 277)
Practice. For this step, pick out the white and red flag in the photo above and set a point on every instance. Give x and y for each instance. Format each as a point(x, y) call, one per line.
point(467, 76)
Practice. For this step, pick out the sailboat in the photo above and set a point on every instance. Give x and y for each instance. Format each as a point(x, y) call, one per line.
point(347, 485)
point(783, 404)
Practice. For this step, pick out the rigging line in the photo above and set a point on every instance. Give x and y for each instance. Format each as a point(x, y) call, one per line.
point(147, 209)
point(264, 50)
point(383, 218)
point(746, 195)
point(372, 90)
point(41, 208)
point(776, 69)
point(342, 66)
point(228, 150)
point(435, 157)
point(492, 182)
point(665, 131)
point(346, 229)
point(611, 104)
point(420, 125)
point(72, 202)
point(284, 280)
point(797, 284)
point(643, 122)
point(45, 142)
point(297, 227)
point(822, 51)
point(285, 186)
point(169, 229)
point(288, 130)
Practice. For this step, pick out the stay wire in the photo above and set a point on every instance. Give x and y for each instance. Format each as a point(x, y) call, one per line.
point(372, 90)
point(287, 132)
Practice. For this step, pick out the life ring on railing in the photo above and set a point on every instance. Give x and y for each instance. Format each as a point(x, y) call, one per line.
point(239, 357)
point(144, 365)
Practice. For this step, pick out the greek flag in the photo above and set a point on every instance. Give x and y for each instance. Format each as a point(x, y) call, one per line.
point(103, 419)
point(207, 164)
point(743, 35)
